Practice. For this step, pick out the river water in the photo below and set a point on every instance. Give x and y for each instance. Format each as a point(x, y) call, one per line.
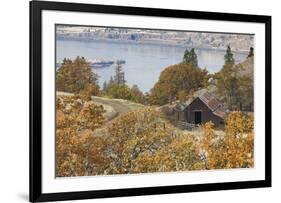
point(144, 62)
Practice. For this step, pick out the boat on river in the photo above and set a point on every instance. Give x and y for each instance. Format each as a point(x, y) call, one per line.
point(99, 63)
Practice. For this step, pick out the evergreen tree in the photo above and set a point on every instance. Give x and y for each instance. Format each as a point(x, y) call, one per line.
point(228, 57)
point(251, 52)
point(104, 88)
point(110, 81)
point(190, 57)
point(193, 57)
point(119, 77)
point(185, 56)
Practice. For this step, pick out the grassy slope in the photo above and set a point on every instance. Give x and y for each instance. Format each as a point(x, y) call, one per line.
point(113, 107)
point(120, 105)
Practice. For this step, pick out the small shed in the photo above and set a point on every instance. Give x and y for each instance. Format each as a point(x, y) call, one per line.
point(205, 107)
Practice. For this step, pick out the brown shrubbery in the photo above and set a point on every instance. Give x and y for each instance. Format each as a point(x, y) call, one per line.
point(77, 152)
point(141, 141)
point(234, 149)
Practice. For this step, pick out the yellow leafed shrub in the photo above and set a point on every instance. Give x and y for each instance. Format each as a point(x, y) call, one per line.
point(234, 149)
point(142, 141)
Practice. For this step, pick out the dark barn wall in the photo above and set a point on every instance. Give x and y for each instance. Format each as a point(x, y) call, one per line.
point(179, 116)
point(207, 114)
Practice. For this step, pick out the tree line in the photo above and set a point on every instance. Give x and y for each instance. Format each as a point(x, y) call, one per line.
point(176, 82)
point(117, 87)
point(180, 81)
point(76, 76)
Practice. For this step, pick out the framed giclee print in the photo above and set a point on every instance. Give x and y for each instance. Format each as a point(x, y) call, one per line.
point(137, 101)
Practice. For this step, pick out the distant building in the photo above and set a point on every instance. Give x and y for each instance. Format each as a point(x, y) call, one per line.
point(202, 109)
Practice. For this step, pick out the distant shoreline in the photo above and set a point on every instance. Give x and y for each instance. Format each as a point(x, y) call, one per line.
point(144, 42)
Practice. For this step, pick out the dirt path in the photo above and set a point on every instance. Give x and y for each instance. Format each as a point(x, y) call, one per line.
point(113, 107)
point(118, 106)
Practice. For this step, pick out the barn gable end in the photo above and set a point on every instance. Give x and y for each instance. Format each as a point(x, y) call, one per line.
point(204, 108)
point(199, 107)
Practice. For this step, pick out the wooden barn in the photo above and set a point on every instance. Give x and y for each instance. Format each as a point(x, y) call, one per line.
point(200, 110)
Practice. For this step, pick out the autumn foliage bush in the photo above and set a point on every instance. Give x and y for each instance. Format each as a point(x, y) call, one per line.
point(142, 141)
point(233, 149)
point(177, 81)
point(77, 151)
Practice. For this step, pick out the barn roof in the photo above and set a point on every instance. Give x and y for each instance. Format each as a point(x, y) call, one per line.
point(213, 104)
point(208, 99)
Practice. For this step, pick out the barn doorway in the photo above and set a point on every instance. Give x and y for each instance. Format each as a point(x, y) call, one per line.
point(198, 117)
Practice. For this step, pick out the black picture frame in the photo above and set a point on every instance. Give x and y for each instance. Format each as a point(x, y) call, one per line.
point(36, 8)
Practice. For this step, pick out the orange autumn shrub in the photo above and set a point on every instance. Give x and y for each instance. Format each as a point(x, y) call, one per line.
point(233, 149)
point(142, 141)
point(78, 151)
